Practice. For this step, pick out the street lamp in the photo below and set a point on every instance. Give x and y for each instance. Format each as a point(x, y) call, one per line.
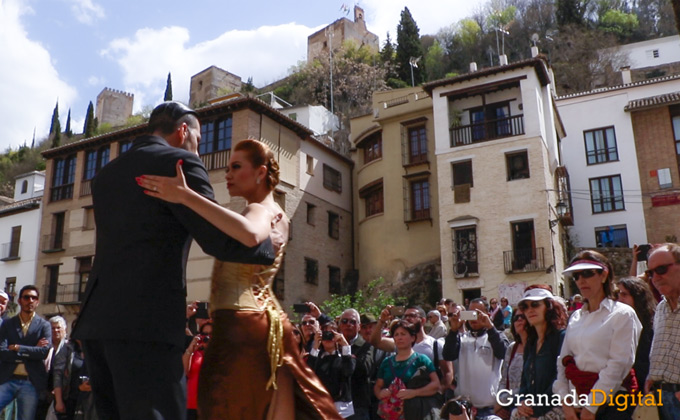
point(561, 210)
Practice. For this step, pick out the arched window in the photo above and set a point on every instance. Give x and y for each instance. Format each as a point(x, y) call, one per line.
point(24, 187)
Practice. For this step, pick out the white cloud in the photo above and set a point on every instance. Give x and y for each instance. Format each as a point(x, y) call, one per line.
point(265, 53)
point(29, 83)
point(95, 81)
point(86, 12)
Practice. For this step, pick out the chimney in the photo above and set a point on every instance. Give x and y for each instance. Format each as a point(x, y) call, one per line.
point(503, 60)
point(473, 67)
point(625, 75)
point(534, 51)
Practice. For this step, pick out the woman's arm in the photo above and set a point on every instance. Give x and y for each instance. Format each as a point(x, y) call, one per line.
point(426, 391)
point(250, 228)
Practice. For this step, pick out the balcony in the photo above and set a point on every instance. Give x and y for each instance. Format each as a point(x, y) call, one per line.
point(487, 130)
point(62, 192)
point(216, 160)
point(53, 243)
point(523, 260)
point(10, 251)
point(86, 188)
point(64, 294)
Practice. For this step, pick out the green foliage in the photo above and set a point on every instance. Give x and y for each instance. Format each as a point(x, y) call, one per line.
point(408, 45)
point(55, 118)
point(68, 131)
point(372, 299)
point(89, 127)
point(104, 128)
point(434, 62)
point(569, 12)
point(168, 89)
point(501, 18)
point(248, 86)
point(19, 161)
point(56, 137)
point(619, 23)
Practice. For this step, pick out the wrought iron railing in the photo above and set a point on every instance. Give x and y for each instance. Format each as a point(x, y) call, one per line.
point(53, 242)
point(487, 130)
point(523, 260)
point(216, 160)
point(64, 294)
point(10, 251)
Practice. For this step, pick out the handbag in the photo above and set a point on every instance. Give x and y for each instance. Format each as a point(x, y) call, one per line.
point(422, 408)
point(392, 408)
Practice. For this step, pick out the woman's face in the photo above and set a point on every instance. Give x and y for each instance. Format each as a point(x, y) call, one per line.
point(403, 339)
point(520, 322)
point(535, 312)
point(625, 296)
point(493, 303)
point(241, 176)
point(589, 283)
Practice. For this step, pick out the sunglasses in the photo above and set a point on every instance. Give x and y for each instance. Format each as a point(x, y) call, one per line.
point(347, 320)
point(451, 314)
point(660, 270)
point(519, 316)
point(308, 323)
point(524, 306)
point(586, 274)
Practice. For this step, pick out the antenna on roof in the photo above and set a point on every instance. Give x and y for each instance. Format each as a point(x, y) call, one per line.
point(534, 38)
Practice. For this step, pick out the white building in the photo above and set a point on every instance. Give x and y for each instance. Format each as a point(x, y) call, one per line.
point(652, 53)
point(19, 233)
point(315, 117)
point(600, 154)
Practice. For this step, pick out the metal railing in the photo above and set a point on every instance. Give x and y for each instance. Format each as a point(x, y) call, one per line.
point(86, 188)
point(62, 192)
point(487, 130)
point(216, 160)
point(53, 242)
point(63, 294)
point(10, 251)
point(523, 260)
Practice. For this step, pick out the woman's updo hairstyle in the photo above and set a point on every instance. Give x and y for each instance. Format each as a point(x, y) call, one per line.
point(260, 154)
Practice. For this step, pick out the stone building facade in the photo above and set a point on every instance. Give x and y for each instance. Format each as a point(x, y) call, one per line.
point(212, 83)
point(114, 107)
point(335, 34)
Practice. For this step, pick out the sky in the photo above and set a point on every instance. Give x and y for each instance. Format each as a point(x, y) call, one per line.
point(68, 51)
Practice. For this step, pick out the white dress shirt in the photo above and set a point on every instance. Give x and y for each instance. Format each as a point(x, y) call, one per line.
point(603, 341)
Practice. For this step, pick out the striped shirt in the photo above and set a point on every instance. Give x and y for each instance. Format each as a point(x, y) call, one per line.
point(664, 358)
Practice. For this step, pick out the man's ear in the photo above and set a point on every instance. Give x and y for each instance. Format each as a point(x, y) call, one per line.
point(181, 133)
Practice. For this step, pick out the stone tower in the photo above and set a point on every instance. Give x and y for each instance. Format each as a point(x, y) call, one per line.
point(340, 31)
point(114, 106)
point(212, 83)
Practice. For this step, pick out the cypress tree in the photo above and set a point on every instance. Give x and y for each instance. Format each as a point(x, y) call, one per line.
point(568, 13)
point(55, 118)
point(68, 131)
point(56, 140)
point(88, 129)
point(168, 89)
point(408, 45)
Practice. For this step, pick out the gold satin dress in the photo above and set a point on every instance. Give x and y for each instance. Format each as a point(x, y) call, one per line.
point(252, 339)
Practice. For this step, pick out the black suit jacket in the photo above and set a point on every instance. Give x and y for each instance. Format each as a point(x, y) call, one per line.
point(32, 356)
point(361, 381)
point(137, 288)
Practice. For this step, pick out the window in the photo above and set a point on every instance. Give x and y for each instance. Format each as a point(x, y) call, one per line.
point(675, 112)
point(419, 199)
point(94, 161)
point(88, 218)
point(372, 194)
point(373, 148)
point(606, 194)
point(462, 181)
point(417, 144)
point(333, 225)
point(332, 179)
point(84, 268)
point(215, 136)
point(280, 199)
point(491, 121)
point(24, 186)
point(334, 282)
point(52, 283)
point(611, 236)
point(64, 176)
point(14, 242)
point(464, 251)
point(310, 165)
point(10, 285)
point(311, 271)
point(311, 213)
point(124, 146)
point(518, 165)
point(55, 241)
point(600, 146)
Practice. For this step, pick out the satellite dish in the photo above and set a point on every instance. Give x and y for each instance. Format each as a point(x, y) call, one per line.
point(534, 38)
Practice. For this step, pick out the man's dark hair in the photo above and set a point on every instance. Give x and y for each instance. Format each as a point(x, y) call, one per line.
point(421, 311)
point(168, 116)
point(482, 301)
point(28, 287)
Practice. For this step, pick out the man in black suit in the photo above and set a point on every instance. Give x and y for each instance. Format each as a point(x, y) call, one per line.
point(132, 321)
point(350, 323)
point(24, 345)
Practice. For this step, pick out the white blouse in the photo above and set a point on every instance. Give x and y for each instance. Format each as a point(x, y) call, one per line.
point(603, 341)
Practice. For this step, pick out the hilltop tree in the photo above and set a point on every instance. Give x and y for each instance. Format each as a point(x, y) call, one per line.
point(408, 46)
point(68, 131)
point(56, 140)
point(569, 12)
point(89, 127)
point(55, 118)
point(435, 62)
point(248, 86)
point(168, 89)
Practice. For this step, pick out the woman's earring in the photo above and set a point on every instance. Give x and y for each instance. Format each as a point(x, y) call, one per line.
point(257, 181)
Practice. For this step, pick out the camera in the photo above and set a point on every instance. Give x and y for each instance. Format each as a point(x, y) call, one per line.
point(202, 340)
point(397, 311)
point(468, 315)
point(301, 308)
point(84, 379)
point(327, 336)
point(456, 408)
point(642, 251)
point(202, 310)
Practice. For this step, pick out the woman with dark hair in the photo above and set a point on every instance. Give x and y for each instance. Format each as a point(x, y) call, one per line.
point(637, 294)
point(547, 320)
point(599, 346)
point(396, 370)
point(252, 363)
point(511, 372)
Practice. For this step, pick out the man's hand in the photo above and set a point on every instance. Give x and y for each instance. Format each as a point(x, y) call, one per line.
point(385, 315)
point(569, 412)
point(587, 415)
point(648, 386)
point(454, 321)
point(59, 406)
point(340, 339)
point(192, 308)
point(43, 342)
point(313, 309)
point(13, 347)
point(525, 411)
point(484, 319)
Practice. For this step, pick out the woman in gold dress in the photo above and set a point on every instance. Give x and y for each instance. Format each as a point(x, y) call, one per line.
point(252, 369)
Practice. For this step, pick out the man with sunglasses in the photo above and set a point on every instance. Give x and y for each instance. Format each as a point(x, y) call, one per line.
point(24, 345)
point(664, 359)
point(350, 324)
point(134, 356)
